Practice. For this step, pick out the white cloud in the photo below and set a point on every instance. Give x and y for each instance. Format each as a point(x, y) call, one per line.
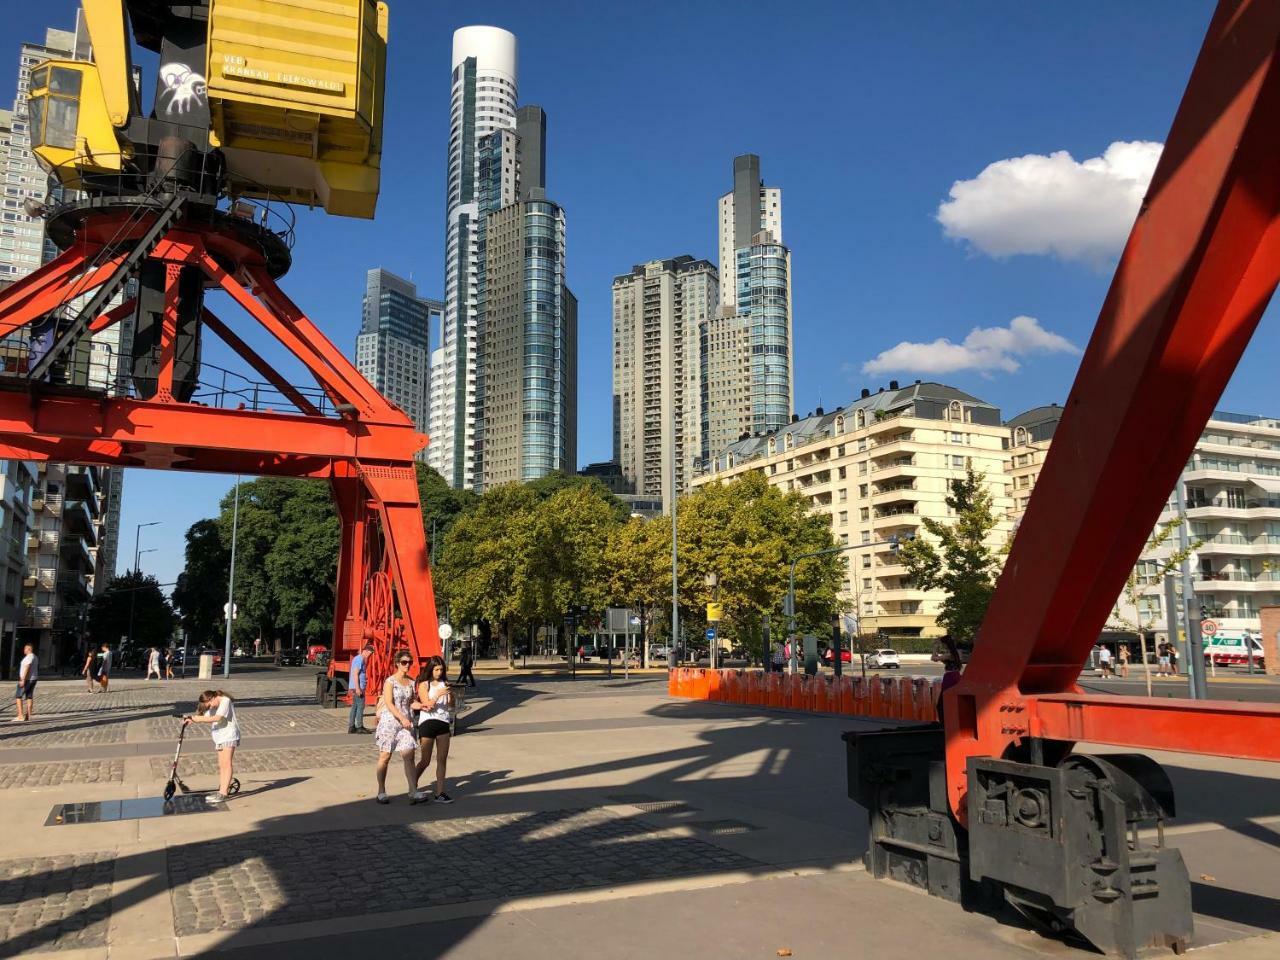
point(985, 349)
point(1052, 205)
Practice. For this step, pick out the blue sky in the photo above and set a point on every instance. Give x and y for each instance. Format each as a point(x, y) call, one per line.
point(864, 113)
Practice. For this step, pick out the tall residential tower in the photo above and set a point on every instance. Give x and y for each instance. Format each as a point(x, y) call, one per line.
point(755, 304)
point(483, 102)
point(393, 346)
point(659, 309)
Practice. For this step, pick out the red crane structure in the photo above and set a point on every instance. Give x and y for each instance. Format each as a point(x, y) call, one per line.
point(345, 433)
point(1004, 806)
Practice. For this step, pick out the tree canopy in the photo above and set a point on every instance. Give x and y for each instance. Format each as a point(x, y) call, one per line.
point(133, 598)
point(956, 558)
point(201, 589)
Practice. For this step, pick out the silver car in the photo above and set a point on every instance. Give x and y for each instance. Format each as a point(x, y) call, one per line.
point(885, 659)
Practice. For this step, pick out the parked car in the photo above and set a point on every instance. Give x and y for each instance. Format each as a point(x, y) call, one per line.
point(846, 656)
point(314, 651)
point(291, 658)
point(884, 659)
point(658, 653)
point(211, 651)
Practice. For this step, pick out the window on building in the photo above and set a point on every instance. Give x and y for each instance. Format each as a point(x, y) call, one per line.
point(957, 462)
point(864, 514)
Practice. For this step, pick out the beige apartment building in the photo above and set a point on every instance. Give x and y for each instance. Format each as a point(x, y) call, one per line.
point(877, 468)
point(658, 309)
point(1030, 434)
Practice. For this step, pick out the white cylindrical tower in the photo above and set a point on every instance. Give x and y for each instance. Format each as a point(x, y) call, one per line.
point(484, 100)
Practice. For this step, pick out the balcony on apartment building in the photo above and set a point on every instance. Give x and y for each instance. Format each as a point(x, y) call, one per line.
point(895, 508)
point(73, 587)
point(1240, 543)
point(37, 616)
point(807, 480)
point(894, 466)
point(82, 483)
point(1208, 580)
point(889, 491)
point(893, 443)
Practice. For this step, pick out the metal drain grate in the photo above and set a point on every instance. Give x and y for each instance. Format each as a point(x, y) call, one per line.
point(652, 804)
point(722, 828)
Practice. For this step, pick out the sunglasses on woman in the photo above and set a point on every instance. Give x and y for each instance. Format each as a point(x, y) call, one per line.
point(404, 663)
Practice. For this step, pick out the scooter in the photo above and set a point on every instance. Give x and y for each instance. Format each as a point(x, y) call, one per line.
point(175, 782)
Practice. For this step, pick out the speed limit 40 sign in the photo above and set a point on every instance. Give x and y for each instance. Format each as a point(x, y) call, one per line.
point(1208, 628)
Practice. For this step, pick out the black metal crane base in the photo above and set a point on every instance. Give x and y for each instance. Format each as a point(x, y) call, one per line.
point(1069, 847)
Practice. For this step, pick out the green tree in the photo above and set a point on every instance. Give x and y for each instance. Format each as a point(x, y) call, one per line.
point(956, 559)
point(302, 562)
point(747, 532)
point(441, 504)
point(133, 596)
point(201, 589)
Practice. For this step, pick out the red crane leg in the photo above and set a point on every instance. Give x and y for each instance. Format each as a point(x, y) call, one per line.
point(52, 295)
point(69, 261)
point(1198, 270)
point(168, 333)
point(395, 489)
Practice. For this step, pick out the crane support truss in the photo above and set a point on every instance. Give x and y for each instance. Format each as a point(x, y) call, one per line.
point(365, 449)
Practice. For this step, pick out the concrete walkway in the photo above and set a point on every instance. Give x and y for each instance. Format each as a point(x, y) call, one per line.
point(594, 818)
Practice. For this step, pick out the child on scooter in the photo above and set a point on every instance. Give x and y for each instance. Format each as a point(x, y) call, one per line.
point(215, 707)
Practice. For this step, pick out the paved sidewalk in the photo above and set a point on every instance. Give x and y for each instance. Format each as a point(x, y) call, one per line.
point(594, 818)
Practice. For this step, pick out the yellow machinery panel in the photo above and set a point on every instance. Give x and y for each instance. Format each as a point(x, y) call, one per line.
point(296, 96)
point(71, 130)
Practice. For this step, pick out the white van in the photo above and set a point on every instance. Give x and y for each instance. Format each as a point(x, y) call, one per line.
point(1231, 648)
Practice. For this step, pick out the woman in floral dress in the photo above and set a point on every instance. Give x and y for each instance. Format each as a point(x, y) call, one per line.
point(394, 733)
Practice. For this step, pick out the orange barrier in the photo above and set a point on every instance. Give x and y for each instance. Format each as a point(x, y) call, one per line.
point(893, 698)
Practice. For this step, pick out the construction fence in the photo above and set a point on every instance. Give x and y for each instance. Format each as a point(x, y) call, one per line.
point(891, 698)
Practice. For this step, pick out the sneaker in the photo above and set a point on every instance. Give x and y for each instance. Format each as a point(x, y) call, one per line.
point(215, 798)
point(17, 720)
point(443, 798)
point(383, 798)
point(419, 796)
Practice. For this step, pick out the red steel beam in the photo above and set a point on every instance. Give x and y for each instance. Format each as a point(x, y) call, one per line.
point(1197, 272)
point(49, 424)
point(1214, 727)
point(250, 356)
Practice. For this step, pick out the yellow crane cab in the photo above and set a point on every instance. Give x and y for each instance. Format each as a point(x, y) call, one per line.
point(71, 133)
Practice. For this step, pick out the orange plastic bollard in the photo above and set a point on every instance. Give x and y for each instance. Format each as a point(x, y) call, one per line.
point(671, 683)
point(752, 691)
point(775, 690)
point(875, 693)
point(821, 695)
point(682, 681)
point(920, 701)
point(714, 679)
point(859, 697)
point(843, 696)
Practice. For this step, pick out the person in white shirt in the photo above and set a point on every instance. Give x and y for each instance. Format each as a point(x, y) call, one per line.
point(28, 674)
point(153, 663)
point(1104, 661)
point(216, 708)
point(435, 701)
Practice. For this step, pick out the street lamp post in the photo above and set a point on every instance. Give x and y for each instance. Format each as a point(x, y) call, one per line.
point(231, 583)
point(137, 556)
point(675, 574)
point(791, 594)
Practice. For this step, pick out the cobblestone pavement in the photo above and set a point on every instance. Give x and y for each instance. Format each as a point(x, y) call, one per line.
point(55, 903)
point(265, 723)
point(268, 761)
point(37, 735)
point(227, 884)
point(14, 776)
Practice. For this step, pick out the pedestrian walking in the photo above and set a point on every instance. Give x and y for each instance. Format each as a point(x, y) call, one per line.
point(88, 671)
point(1104, 661)
point(104, 668)
point(1173, 658)
point(216, 707)
point(357, 683)
point(168, 662)
point(153, 663)
point(1124, 661)
point(394, 733)
point(28, 674)
point(1162, 660)
point(435, 701)
point(467, 661)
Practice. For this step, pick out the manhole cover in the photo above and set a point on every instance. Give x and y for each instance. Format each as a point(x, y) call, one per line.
point(143, 808)
point(721, 828)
